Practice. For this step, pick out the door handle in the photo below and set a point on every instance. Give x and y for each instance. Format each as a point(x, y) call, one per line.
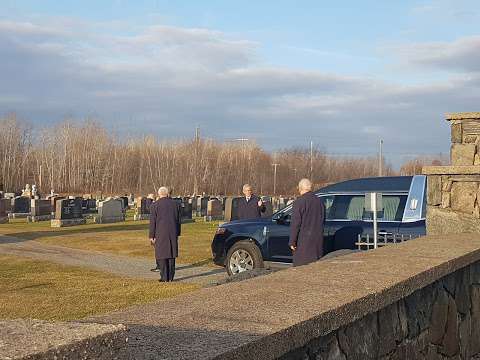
point(265, 231)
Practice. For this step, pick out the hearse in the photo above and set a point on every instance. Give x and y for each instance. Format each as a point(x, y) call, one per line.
point(243, 245)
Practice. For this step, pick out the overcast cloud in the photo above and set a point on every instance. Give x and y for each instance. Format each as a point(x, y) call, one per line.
point(165, 80)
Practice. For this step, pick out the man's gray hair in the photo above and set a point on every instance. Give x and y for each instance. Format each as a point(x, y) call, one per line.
point(163, 191)
point(246, 186)
point(305, 184)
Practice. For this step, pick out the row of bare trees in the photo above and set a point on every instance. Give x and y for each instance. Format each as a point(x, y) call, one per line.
point(74, 157)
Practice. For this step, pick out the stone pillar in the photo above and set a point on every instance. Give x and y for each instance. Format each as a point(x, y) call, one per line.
point(453, 194)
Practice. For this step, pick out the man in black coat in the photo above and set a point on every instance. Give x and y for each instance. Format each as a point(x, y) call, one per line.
point(250, 206)
point(165, 223)
point(306, 228)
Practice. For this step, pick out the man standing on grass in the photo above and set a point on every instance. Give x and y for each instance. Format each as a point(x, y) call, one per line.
point(165, 223)
point(306, 228)
point(250, 206)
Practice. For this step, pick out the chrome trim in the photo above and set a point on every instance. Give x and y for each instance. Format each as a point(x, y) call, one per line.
point(416, 192)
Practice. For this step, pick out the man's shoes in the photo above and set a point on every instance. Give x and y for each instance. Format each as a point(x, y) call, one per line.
point(155, 269)
point(162, 280)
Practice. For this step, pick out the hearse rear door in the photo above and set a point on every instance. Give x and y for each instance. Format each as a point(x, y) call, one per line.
point(347, 220)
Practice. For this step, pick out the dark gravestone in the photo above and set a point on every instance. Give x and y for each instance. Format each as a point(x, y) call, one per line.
point(21, 205)
point(68, 212)
point(68, 209)
point(185, 207)
point(202, 203)
point(89, 206)
point(3, 210)
point(142, 208)
point(187, 210)
point(41, 210)
point(231, 208)
point(214, 210)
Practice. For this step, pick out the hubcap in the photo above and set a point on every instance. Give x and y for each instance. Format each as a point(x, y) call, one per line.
point(240, 261)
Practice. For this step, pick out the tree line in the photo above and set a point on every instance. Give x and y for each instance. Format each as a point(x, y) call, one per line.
point(82, 157)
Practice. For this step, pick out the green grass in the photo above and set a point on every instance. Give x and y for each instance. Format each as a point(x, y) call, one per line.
point(128, 238)
point(43, 290)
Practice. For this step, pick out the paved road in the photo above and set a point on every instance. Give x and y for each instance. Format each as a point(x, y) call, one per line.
point(119, 265)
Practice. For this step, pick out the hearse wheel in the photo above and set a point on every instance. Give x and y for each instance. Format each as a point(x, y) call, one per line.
point(243, 256)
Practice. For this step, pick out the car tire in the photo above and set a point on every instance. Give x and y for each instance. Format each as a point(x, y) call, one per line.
point(243, 256)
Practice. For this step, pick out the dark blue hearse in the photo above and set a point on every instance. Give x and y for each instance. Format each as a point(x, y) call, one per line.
point(247, 244)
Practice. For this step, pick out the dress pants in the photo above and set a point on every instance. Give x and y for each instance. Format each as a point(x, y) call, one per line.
point(167, 269)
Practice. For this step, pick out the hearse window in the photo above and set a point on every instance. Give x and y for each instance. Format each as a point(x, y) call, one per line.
point(352, 207)
point(328, 202)
point(348, 207)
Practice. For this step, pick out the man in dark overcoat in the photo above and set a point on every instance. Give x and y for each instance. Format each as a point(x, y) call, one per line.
point(165, 224)
point(250, 206)
point(306, 227)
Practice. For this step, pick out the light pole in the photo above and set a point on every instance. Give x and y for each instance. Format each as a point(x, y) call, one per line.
point(311, 160)
point(380, 159)
point(275, 178)
point(244, 144)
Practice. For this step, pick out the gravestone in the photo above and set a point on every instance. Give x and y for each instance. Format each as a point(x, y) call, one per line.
point(89, 208)
point(68, 212)
point(110, 211)
point(231, 208)
point(20, 207)
point(3, 210)
point(202, 202)
point(187, 209)
point(214, 210)
point(53, 203)
point(142, 208)
point(41, 210)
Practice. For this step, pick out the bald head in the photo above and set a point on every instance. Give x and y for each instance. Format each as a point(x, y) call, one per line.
point(304, 186)
point(163, 192)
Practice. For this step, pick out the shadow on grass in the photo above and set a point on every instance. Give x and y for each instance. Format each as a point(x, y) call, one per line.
point(203, 262)
point(34, 235)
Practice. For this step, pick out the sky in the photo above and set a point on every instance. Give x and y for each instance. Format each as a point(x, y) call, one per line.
point(342, 74)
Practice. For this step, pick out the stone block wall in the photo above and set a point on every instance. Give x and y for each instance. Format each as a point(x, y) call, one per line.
point(440, 321)
point(453, 196)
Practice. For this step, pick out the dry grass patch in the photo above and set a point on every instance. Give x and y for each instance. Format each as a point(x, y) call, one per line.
point(44, 290)
point(127, 238)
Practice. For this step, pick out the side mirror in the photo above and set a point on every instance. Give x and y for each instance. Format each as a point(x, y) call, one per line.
point(284, 219)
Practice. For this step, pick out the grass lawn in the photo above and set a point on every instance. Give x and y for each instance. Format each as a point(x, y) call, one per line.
point(128, 238)
point(44, 290)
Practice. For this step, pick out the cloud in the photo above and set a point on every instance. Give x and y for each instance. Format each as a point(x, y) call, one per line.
point(165, 80)
point(459, 55)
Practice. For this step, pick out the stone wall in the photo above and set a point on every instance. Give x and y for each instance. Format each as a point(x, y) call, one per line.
point(453, 196)
point(37, 339)
point(440, 321)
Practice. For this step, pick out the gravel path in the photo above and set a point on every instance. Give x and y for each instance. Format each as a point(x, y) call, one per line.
point(119, 265)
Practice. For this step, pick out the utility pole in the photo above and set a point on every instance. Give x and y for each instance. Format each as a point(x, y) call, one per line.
point(275, 178)
point(380, 159)
point(244, 144)
point(195, 167)
point(311, 160)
